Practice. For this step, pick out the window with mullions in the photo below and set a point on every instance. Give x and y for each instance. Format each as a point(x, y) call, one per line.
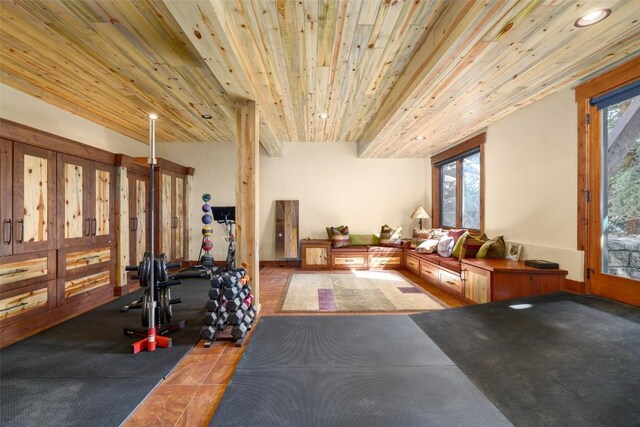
point(458, 186)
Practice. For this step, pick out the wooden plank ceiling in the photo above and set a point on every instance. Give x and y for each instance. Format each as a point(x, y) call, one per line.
point(384, 71)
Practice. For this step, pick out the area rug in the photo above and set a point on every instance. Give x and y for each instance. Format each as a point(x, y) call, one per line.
point(358, 291)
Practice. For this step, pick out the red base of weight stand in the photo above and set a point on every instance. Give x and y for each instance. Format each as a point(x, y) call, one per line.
point(151, 342)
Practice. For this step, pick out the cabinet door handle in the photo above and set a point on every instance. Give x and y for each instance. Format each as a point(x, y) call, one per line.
point(87, 227)
point(20, 223)
point(94, 226)
point(14, 271)
point(175, 222)
point(13, 306)
point(134, 224)
point(8, 231)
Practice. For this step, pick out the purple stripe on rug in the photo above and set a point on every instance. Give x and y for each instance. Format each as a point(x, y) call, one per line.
point(409, 290)
point(326, 300)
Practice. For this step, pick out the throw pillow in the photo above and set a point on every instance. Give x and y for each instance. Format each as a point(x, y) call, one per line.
point(419, 236)
point(390, 236)
point(458, 246)
point(363, 240)
point(340, 228)
point(494, 248)
point(428, 246)
point(339, 238)
point(438, 233)
point(472, 245)
point(456, 234)
point(445, 246)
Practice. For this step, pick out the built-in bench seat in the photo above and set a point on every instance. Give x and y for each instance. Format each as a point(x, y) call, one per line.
point(367, 257)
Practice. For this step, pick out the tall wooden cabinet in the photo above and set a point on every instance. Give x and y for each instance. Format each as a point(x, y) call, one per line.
point(57, 211)
point(171, 209)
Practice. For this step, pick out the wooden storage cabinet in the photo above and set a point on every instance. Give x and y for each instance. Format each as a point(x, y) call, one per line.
point(315, 254)
point(86, 208)
point(26, 301)
point(450, 282)
point(430, 272)
point(28, 198)
point(488, 280)
point(412, 264)
point(347, 261)
point(385, 259)
point(138, 216)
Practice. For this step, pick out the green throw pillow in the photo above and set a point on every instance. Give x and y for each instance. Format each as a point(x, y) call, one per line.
point(458, 247)
point(363, 240)
point(494, 248)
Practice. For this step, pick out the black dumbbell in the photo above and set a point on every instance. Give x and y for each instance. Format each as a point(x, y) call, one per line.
point(231, 292)
point(244, 292)
point(216, 281)
point(213, 305)
point(248, 320)
point(210, 318)
point(229, 280)
point(239, 331)
point(236, 317)
point(235, 304)
point(208, 333)
point(214, 293)
point(222, 321)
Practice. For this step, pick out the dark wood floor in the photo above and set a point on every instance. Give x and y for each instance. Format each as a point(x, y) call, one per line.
point(190, 394)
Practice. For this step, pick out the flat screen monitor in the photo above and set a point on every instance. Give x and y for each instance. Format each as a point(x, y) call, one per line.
point(222, 213)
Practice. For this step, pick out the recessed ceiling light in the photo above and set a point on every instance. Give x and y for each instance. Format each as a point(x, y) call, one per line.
point(207, 116)
point(592, 18)
point(420, 138)
point(324, 115)
point(153, 116)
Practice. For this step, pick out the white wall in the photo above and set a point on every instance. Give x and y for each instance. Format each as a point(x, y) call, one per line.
point(335, 187)
point(531, 180)
point(215, 173)
point(30, 111)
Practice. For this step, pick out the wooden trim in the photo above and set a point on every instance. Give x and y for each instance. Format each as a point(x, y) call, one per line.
point(28, 135)
point(476, 142)
point(575, 286)
point(131, 164)
point(463, 147)
point(589, 155)
point(167, 165)
point(281, 263)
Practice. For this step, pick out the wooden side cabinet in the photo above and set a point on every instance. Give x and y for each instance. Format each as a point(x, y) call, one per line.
point(488, 280)
point(315, 254)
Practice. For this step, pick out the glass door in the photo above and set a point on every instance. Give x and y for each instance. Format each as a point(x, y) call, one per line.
point(615, 229)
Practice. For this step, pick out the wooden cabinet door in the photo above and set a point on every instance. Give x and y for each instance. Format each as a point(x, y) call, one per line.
point(34, 195)
point(179, 249)
point(102, 203)
point(477, 284)
point(164, 214)
point(138, 217)
point(6, 199)
point(74, 209)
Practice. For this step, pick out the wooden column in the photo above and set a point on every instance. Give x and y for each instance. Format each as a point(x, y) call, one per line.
point(122, 229)
point(247, 150)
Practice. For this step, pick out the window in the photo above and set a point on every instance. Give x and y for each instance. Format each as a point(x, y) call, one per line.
point(458, 186)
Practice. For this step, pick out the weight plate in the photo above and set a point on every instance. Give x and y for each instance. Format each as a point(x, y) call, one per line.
point(146, 309)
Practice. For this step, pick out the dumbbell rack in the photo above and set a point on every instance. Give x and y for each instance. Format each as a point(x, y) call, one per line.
point(230, 297)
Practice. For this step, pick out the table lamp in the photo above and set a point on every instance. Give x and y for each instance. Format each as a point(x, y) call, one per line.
point(419, 213)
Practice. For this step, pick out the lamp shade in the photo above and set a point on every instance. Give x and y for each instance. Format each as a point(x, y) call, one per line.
point(419, 213)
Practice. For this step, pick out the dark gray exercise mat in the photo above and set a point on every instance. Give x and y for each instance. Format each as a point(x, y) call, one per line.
point(568, 360)
point(349, 370)
point(82, 372)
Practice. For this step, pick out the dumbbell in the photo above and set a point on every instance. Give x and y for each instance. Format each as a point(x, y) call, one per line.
point(231, 292)
point(208, 333)
point(210, 318)
point(244, 292)
point(222, 321)
point(229, 280)
point(213, 305)
point(214, 293)
point(236, 317)
point(239, 331)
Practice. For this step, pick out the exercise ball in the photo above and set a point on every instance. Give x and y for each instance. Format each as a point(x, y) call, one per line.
point(206, 218)
point(206, 207)
point(207, 245)
point(206, 197)
point(207, 231)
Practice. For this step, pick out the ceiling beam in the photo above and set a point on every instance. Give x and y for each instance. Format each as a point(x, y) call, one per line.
point(204, 24)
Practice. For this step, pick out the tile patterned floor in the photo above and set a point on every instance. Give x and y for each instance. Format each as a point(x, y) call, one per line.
point(191, 392)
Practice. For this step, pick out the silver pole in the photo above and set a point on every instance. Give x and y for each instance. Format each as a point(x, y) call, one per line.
point(152, 284)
